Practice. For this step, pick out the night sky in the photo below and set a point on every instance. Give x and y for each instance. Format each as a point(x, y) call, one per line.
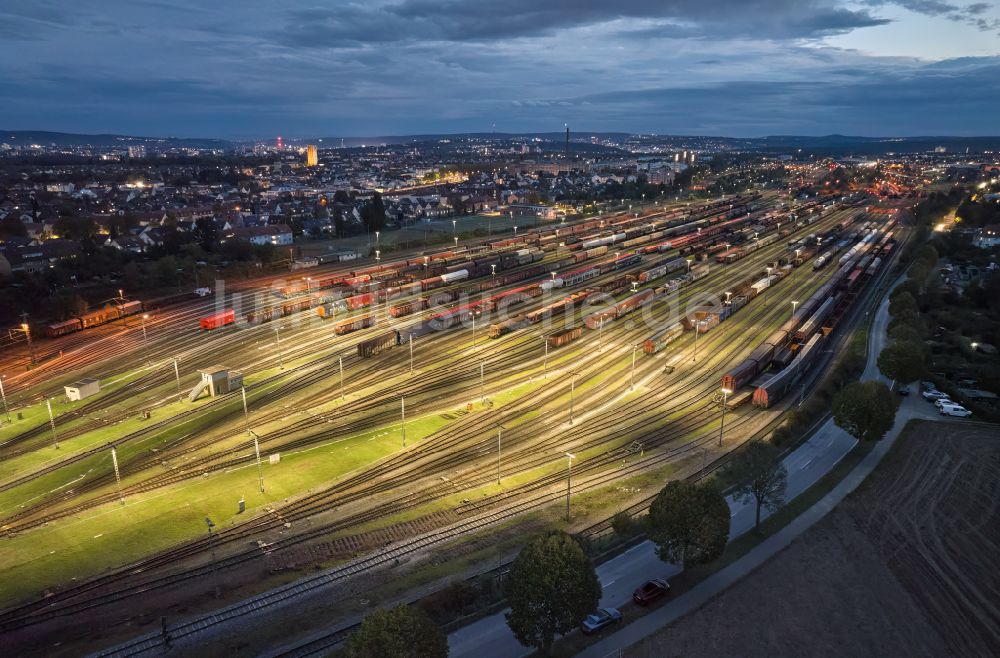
point(251, 68)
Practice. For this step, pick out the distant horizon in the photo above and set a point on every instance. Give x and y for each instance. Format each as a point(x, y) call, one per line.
point(573, 134)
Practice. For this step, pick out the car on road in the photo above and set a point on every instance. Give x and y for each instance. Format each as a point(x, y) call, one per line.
point(650, 591)
point(903, 390)
point(933, 395)
point(600, 619)
point(955, 410)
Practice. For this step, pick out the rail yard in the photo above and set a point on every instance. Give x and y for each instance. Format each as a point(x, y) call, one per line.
point(444, 386)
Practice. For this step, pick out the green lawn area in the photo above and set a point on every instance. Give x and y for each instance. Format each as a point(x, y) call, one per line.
point(112, 535)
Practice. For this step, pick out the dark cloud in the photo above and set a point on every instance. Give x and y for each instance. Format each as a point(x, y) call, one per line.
point(236, 68)
point(459, 20)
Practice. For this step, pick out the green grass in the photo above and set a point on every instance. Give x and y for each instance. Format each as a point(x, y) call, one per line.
point(112, 535)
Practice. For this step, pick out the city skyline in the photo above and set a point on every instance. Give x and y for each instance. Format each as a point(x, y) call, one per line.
point(712, 68)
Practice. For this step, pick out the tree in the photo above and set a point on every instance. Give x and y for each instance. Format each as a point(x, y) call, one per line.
point(551, 588)
point(373, 213)
point(902, 360)
point(866, 410)
point(206, 233)
point(903, 305)
point(905, 332)
point(689, 523)
point(403, 632)
point(762, 475)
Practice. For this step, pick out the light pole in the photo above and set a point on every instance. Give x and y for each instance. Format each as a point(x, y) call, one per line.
point(545, 362)
point(340, 360)
point(411, 353)
point(277, 344)
point(118, 476)
point(3, 395)
point(725, 399)
point(215, 574)
point(482, 386)
point(52, 423)
point(572, 394)
point(768, 287)
point(256, 451)
point(499, 429)
point(145, 342)
point(631, 384)
point(697, 325)
point(177, 376)
point(569, 480)
point(402, 418)
point(794, 304)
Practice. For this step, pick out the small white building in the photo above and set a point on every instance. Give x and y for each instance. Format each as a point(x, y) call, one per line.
point(82, 389)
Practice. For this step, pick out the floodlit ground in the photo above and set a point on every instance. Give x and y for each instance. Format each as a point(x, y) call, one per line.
point(904, 567)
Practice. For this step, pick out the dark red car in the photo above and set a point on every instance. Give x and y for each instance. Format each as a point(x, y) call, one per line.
point(650, 591)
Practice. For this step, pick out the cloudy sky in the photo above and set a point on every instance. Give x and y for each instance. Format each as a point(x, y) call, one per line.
point(249, 68)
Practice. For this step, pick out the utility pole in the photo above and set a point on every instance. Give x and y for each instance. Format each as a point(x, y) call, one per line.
point(215, 573)
point(725, 399)
point(572, 394)
point(177, 375)
point(246, 413)
point(402, 416)
point(631, 385)
point(499, 429)
point(145, 341)
point(342, 395)
point(118, 477)
point(256, 450)
point(3, 394)
point(277, 343)
point(52, 423)
point(569, 480)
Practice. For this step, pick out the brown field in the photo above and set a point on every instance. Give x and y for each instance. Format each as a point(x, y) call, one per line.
point(906, 566)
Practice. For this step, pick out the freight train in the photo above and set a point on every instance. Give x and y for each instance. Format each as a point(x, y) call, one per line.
point(109, 313)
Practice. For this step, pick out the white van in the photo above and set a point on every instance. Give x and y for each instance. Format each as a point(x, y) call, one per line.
point(955, 410)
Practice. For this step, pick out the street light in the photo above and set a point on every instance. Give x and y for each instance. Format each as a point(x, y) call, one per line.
point(569, 480)
point(145, 343)
point(725, 399)
point(697, 325)
point(794, 304)
point(499, 429)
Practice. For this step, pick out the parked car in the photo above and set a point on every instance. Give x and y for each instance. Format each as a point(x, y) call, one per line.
point(955, 410)
point(927, 386)
point(943, 401)
point(650, 591)
point(600, 619)
point(903, 390)
point(933, 395)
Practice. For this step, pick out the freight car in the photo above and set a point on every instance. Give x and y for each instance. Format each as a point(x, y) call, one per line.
point(510, 324)
point(560, 338)
point(779, 384)
point(662, 338)
point(372, 346)
point(353, 324)
point(217, 320)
